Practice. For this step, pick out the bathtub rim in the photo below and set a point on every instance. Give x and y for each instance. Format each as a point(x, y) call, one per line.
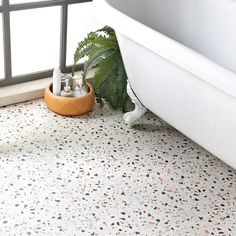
point(173, 51)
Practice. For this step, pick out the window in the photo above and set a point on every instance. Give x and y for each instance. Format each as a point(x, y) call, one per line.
point(39, 35)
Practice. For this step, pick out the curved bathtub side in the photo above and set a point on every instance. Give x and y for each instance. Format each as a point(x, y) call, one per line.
point(190, 92)
point(202, 112)
point(167, 48)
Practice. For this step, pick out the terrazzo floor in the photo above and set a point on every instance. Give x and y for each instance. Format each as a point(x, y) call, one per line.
point(92, 175)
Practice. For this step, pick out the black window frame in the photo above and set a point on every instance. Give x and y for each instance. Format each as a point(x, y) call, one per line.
point(5, 9)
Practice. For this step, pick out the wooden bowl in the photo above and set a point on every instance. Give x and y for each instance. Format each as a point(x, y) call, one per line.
point(69, 106)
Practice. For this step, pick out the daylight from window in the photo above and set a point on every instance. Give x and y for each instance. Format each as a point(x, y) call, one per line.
point(35, 46)
point(35, 37)
point(81, 21)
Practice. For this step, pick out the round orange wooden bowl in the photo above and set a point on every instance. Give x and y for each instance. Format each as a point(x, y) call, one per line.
point(69, 106)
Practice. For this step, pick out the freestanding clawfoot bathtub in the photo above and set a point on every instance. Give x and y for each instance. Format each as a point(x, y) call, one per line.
point(180, 58)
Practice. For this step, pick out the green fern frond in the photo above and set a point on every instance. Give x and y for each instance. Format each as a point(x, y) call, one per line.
point(96, 58)
point(106, 68)
point(107, 30)
point(110, 79)
point(81, 53)
point(106, 42)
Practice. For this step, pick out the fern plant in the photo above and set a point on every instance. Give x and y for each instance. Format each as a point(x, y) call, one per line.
point(109, 82)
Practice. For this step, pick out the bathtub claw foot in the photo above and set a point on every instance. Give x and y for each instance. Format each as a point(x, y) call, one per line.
point(132, 116)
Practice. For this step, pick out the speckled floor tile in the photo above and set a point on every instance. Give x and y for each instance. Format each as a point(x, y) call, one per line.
point(92, 175)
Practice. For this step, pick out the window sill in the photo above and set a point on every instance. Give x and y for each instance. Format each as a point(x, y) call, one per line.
point(27, 91)
point(23, 92)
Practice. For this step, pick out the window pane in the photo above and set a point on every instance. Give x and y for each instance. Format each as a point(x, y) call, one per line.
point(24, 1)
point(1, 50)
point(81, 21)
point(35, 40)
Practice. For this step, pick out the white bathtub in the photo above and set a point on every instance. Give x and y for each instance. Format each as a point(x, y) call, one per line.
point(180, 58)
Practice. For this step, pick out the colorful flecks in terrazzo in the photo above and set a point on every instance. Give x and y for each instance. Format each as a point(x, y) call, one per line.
point(92, 175)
